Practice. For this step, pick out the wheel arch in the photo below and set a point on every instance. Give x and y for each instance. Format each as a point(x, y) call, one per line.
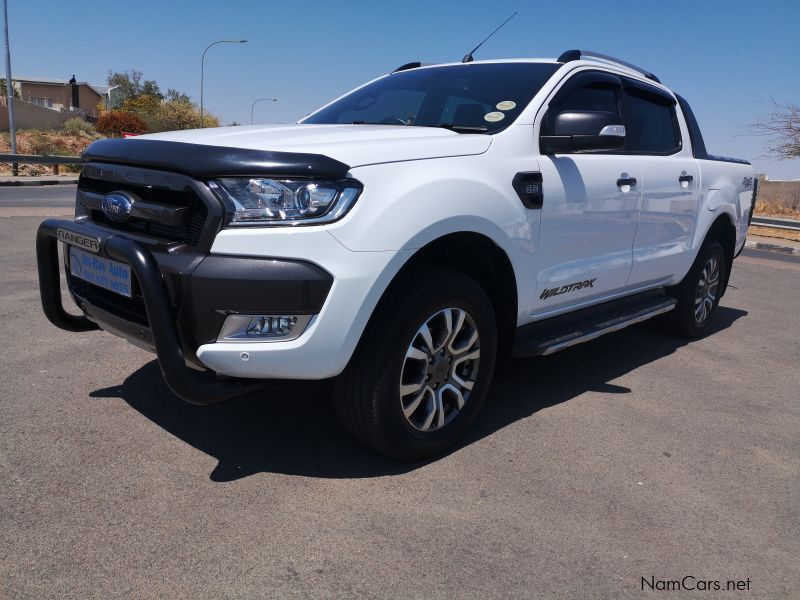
point(479, 257)
point(723, 230)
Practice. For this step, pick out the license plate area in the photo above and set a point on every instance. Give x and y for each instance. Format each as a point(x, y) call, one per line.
point(102, 272)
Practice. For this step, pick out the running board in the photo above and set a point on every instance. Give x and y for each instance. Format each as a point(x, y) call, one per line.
point(551, 335)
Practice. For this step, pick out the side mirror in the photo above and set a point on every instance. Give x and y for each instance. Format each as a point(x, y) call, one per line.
point(584, 131)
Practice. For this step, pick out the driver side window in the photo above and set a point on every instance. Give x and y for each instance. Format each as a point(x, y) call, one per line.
point(587, 91)
point(593, 96)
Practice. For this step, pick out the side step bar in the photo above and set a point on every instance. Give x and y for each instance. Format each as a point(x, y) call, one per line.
point(551, 335)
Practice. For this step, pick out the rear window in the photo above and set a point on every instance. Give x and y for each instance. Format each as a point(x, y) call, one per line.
point(486, 97)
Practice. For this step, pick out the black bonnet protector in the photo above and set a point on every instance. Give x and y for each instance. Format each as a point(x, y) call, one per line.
point(202, 161)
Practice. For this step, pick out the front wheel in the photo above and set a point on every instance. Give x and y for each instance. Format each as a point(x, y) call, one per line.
point(699, 293)
point(423, 367)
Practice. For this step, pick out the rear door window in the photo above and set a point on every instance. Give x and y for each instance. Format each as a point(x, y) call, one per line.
point(651, 123)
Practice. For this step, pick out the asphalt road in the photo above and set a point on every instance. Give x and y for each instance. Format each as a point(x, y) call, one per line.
point(40, 196)
point(637, 455)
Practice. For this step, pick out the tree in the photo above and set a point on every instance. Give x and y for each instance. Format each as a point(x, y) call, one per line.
point(782, 127)
point(183, 114)
point(173, 94)
point(3, 92)
point(146, 107)
point(143, 98)
point(150, 88)
point(128, 83)
point(175, 111)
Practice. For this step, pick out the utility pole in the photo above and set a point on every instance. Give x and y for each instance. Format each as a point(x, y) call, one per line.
point(10, 90)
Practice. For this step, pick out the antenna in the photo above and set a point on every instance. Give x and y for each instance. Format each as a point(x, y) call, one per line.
point(468, 57)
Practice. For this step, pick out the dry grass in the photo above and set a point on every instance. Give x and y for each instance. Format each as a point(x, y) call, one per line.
point(778, 199)
point(32, 141)
point(769, 209)
point(782, 234)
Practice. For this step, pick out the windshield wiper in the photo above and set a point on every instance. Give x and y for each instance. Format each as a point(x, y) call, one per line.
point(462, 128)
point(450, 126)
point(371, 123)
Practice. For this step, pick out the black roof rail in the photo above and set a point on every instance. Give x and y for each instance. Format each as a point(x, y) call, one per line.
point(571, 55)
point(407, 66)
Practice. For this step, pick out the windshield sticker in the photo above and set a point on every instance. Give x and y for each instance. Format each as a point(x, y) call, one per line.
point(506, 105)
point(494, 116)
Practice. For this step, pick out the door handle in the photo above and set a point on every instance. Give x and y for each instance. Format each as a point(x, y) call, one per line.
point(631, 181)
point(686, 178)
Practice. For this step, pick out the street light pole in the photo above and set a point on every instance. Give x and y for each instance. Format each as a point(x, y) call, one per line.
point(9, 89)
point(108, 93)
point(202, 69)
point(252, 108)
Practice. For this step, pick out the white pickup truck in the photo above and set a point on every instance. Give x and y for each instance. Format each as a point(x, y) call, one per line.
point(404, 237)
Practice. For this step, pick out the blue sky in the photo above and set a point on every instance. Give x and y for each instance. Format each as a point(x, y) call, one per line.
point(726, 57)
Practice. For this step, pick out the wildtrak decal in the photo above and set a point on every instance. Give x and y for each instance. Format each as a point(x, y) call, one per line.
point(570, 287)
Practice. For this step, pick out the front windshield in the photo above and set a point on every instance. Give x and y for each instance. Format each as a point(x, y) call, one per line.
point(468, 98)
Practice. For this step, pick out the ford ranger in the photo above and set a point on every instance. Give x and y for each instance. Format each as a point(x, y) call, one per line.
point(405, 237)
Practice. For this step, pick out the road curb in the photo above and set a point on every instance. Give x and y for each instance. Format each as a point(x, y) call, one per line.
point(772, 247)
point(32, 182)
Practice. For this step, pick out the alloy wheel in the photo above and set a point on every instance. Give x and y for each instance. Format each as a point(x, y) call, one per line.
point(706, 291)
point(439, 369)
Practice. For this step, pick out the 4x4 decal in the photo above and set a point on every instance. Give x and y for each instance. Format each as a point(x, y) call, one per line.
point(570, 287)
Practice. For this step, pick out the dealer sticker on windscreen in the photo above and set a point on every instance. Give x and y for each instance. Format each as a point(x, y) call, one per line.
point(102, 272)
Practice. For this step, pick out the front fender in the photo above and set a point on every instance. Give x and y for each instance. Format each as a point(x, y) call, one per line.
point(407, 205)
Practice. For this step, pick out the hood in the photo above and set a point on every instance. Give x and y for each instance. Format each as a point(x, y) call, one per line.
point(354, 145)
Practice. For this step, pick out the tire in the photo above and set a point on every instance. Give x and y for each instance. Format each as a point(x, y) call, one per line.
point(696, 306)
point(417, 422)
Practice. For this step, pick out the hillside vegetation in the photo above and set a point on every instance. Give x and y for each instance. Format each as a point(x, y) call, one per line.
point(34, 141)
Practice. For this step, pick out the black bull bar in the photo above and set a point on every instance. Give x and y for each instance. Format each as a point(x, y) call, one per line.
point(196, 387)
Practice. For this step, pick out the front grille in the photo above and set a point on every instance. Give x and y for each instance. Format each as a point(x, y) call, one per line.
point(187, 232)
point(148, 193)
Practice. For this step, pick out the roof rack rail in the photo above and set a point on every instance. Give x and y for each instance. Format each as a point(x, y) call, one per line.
point(571, 55)
point(407, 66)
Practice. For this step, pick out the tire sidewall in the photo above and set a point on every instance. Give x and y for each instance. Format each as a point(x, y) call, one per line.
point(689, 288)
point(450, 290)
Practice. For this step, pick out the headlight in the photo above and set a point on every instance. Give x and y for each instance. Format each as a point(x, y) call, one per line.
point(263, 201)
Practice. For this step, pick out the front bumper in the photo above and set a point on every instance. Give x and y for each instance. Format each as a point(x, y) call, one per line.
point(183, 305)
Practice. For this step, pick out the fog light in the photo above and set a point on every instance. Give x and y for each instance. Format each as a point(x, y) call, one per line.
point(262, 328)
point(271, 326)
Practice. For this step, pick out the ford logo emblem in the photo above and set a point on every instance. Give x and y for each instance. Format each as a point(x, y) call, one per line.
point(117, 206)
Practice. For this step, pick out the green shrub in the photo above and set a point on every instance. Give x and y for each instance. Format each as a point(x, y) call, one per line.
point(75, 126)
point(115, 122)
